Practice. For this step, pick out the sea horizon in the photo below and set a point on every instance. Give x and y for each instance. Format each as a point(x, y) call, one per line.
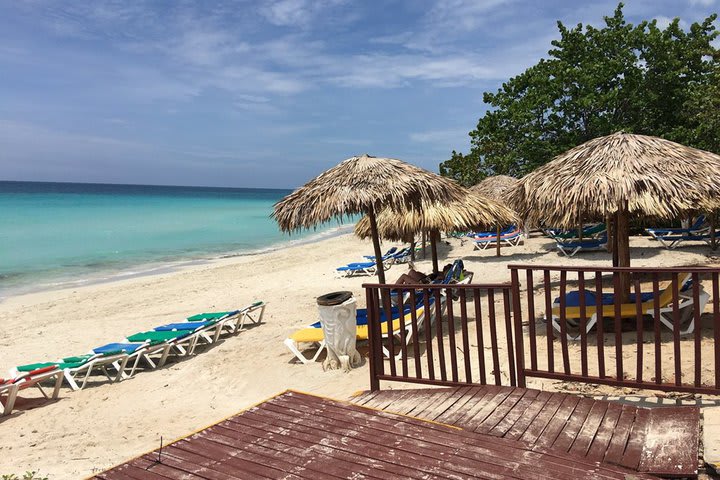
point(56, 235)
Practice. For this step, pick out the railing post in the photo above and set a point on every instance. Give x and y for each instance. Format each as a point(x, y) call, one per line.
point(517, 318)
point(372, 321)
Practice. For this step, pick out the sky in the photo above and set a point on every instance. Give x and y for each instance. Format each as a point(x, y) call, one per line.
point(252, 93)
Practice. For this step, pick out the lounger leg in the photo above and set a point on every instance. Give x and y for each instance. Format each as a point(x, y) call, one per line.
point(293, 347)
point(58, 384)
point(10, 401)
point(164, 356)
point(71, 379)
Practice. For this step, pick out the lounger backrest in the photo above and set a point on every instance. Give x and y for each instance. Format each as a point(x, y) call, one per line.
point(698, 223)
point(666, 296)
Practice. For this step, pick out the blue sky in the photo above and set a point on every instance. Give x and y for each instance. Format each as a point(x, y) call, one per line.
point(262, 93)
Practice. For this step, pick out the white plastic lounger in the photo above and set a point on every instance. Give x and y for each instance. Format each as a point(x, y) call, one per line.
point(512, 239)
point(20, 381)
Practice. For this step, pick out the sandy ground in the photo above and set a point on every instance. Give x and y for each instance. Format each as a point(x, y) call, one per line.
point(105, 424)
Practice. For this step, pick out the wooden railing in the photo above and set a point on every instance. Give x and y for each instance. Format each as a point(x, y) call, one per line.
point(543, 324)
point(441, 340)
point(660, 338)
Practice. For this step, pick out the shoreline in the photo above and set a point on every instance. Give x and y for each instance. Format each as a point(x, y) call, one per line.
point(155, 268)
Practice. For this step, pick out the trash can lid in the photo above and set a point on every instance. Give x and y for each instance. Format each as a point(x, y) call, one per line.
point(334, 298)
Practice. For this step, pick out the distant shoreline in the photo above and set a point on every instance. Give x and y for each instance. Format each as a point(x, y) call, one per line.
point(149, 269)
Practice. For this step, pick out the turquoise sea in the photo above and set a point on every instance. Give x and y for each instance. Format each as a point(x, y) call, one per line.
point(54, 235)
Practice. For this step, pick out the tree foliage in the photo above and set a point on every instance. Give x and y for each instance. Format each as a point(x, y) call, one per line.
point(596, 81)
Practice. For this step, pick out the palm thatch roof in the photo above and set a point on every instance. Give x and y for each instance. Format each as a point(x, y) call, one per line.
point(656, 177)
point(358, 184)
point(472, 212)
point(497, 187)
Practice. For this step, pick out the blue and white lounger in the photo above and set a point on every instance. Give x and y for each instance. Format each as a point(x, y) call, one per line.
point(511, 239)
point(590, 245)
point(387, 255)
point(367, 268)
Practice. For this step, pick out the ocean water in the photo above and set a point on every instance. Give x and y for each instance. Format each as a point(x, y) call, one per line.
point(54, 235)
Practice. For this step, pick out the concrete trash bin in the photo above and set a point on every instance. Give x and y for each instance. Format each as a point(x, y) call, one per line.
point(338, 319)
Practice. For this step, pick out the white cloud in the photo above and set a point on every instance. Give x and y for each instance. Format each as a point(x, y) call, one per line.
point(704, 3)
point(297, 13)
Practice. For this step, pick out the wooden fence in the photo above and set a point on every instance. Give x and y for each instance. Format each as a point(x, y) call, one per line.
point(664, 334)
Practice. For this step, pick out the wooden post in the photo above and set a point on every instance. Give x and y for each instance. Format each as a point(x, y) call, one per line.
point(622, 231)
point(434, 237)
point(423, 244)
point(610, 232)
point(376, 245)
point(412, 248)
point(580, 228)
point(497, 253)
point(713, 220)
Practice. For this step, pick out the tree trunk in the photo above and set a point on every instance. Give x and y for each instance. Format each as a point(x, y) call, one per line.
point(434, 236)
point(497, 253)
point(376, 245)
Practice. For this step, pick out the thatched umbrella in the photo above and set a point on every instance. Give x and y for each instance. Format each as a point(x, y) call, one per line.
point(472, 211)
point(365, 185)
point(621, 175)
point(500, 188)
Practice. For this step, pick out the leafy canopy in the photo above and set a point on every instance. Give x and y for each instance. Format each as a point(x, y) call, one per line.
point(635, 78)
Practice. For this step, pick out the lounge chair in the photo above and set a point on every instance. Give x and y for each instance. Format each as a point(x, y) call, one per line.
point(74, 367)
point(504, 231)
point(368, 268)
point(233, 321)
point(511, 239)
point(387, 255)
point(570, 248)
point(402, 256)
point(313, 334)
point(671, 238)
point(21, 380)
point(698, 225)
point(163, 343)
point(629, 310)
point(591, 231)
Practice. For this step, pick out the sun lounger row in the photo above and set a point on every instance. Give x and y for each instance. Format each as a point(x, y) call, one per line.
point(392, 256)
point(120, 360)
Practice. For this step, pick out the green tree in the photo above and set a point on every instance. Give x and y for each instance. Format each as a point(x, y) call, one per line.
point(636, 78)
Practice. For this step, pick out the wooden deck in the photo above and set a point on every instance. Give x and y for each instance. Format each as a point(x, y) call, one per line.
point(296, 435)
point(662, 441)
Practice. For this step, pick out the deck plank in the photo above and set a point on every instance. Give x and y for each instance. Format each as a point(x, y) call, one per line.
point(600, 430)
point(300, 436)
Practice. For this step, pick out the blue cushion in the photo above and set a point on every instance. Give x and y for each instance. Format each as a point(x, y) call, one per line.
point(115, 347)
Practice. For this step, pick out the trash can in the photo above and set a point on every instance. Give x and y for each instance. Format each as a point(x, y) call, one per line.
point(338, 319)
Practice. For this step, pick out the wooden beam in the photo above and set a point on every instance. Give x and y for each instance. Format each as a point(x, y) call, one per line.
point(434, 237)
point(376, 245)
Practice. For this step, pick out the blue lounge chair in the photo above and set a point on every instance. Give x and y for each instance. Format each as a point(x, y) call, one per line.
point(671, 238)
point(387, 255)
point(402, 256)
point(504, 231)
point(368, 268)
point(570, 248)
point(685, 305)
point(594, 230)
point(698, 226)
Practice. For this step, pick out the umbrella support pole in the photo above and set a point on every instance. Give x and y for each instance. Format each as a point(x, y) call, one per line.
point(434, 237)
point(376, 245)
point(622, 245)
point(497, 253)
point(713, 238)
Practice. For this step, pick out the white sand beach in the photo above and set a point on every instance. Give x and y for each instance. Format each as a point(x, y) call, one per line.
point(105, 424)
